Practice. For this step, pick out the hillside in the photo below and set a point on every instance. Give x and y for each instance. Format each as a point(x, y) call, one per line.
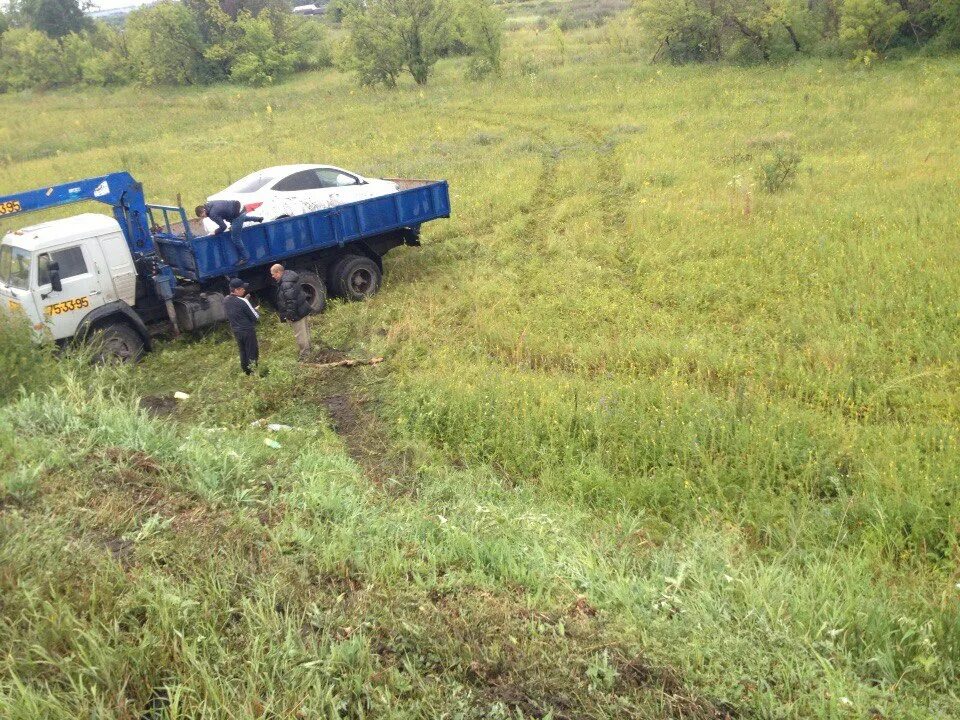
point(650, 440)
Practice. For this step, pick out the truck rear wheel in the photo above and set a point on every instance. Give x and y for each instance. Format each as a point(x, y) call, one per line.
point(116, 343)
point(355, 277)
point(315, 290)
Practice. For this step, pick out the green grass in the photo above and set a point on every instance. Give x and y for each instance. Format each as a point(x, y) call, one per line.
point(649, 440)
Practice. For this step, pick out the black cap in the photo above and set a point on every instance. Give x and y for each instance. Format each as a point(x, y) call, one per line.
point(238, 283)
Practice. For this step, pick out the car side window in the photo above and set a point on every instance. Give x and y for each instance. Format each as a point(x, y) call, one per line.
point(70, 260)
point(303, 180)
point(330, 178)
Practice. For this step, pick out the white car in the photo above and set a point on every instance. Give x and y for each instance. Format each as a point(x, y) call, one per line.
point(288, 190)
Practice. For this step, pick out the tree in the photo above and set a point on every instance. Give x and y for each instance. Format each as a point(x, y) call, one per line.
point(55, 18)
point(30, 59)
point(948, 19)
point(165, 45)
point(388, 36)
point(867, 27)
point(481, 31)
point(685, 30)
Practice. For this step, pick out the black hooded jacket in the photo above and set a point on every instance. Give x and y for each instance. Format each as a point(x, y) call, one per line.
point(291, 299)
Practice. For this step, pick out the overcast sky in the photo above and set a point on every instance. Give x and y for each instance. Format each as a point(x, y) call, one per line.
point(111, 4)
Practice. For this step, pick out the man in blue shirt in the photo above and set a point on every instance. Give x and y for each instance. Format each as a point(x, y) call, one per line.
point(228, 211)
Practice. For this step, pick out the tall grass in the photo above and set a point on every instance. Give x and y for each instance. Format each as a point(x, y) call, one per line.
point(732, 434)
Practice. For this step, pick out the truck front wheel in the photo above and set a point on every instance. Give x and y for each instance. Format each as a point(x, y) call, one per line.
point(315, 291)
point(355, 277)
point(116, 343)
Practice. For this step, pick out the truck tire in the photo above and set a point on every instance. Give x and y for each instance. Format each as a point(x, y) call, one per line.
point(315, 290)
point(355, 277)
point(116, 343)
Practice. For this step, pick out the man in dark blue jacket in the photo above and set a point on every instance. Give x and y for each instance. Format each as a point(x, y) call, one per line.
point(243, 317)
point(228, 211)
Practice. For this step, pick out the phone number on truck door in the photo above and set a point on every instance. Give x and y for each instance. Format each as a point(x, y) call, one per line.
point(11, 206)
point(67, 305)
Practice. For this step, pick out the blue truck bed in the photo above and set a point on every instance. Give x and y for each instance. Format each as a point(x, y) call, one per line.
point(205, 257)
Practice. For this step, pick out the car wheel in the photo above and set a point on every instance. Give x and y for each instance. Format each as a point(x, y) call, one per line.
point(315, 290)
point(355, 277)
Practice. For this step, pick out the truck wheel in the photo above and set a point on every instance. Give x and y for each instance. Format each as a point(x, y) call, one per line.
point(315, 291)
point(117, 343)
point(355, 277)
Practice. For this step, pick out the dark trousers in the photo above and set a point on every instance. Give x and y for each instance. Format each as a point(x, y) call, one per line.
point(236, 225)
point(249, 350)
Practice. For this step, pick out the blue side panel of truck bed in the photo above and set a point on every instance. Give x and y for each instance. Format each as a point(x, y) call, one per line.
point(203, 258)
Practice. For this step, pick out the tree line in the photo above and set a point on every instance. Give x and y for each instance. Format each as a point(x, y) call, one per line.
point(53, 43)
point(764, 30)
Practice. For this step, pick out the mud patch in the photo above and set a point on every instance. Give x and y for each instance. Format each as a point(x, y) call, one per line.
point(327, 354)
point(120, 550)
point(158, 406)
point(8, 502)
point(638, 673)
point(133, 480)
point(364, 438)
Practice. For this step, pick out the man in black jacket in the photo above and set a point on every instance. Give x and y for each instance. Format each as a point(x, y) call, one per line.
point(292, 306)
point(228, 211)
point(243, 317)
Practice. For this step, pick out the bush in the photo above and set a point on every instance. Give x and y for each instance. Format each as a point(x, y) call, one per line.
point(25, 363)
point(867, 27)
point(256, 56)
point(948, 18)
point(166, 47)
point(309, 44)
point(480, 29)
point(688, 31)
point(387, 37)
point(779, 170)
point(30, 59)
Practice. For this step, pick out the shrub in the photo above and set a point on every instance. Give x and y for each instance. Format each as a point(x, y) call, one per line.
point(25, 363)
point(308, 44)
point(688, 31)
point(166, 47)
point(867, 27)
point(30, 59)
point(779, 170)
point(388, 36)
point(948, 18)
point(480, 29)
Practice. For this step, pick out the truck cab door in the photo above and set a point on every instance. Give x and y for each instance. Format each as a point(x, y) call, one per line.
point(75, 265)
point(115, 268)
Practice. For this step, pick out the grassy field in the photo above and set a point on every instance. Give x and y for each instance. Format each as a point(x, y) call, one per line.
point(649, 441)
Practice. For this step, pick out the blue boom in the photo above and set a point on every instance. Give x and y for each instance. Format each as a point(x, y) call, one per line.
point(118, 190)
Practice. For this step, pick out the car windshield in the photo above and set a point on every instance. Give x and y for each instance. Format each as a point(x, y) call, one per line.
point(14, 266)
point(251, 183)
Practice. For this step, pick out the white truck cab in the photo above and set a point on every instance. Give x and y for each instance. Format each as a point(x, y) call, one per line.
point(60, 273)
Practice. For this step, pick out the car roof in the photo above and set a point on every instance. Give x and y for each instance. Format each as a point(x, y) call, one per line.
point(279, 170)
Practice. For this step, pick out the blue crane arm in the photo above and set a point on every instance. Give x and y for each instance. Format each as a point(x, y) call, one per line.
point(119, 190)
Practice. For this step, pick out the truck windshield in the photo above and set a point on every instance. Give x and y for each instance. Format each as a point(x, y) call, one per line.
point(14, 267)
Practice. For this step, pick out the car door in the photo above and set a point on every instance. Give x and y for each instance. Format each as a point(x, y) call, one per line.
point(81, 290)
point(299, 193)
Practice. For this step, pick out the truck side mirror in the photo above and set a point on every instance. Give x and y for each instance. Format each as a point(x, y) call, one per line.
point(54, 269)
